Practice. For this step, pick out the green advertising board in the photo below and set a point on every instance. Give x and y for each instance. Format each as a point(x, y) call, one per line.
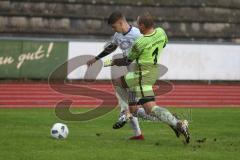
point(31, 59)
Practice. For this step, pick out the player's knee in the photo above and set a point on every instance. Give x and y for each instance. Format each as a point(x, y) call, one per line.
point(133, 109)
point(148, 106)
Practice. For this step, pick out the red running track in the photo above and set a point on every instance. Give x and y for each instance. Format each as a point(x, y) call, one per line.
point(188, 95)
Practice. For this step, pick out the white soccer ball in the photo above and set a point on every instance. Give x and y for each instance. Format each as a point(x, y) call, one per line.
point(59, 131)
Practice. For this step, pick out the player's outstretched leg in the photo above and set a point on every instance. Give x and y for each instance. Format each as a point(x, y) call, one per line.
point(142, 114)
point(179, 126)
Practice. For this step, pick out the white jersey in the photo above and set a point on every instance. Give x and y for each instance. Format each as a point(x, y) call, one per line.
point(125, 41)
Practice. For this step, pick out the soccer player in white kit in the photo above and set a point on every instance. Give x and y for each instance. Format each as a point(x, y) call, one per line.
point(123, 38)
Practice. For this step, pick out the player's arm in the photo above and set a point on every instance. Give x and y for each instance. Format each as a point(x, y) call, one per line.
point(108, 49)
point(133, 54)
point(121, 61)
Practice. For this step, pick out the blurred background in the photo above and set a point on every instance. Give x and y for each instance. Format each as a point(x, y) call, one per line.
point(198, 20)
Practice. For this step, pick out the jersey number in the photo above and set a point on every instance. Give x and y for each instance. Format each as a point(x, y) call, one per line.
point(155, 55)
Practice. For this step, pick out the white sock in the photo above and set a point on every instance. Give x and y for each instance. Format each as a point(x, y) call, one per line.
point(135, 126)
point(164, 115)
point(142, 114)
point(122, 96)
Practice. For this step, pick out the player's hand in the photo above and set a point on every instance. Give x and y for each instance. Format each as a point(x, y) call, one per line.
point(108, 63)
point(91, 61)
point(117, 62)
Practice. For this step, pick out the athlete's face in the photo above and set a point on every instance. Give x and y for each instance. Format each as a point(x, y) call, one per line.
point(118, 26)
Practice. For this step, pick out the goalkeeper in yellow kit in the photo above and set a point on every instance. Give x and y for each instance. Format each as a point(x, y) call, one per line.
point(146, 53)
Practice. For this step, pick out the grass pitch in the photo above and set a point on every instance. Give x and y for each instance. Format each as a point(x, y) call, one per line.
point(25, 135)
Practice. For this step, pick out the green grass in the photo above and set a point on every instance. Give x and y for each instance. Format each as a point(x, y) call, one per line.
point(25, 135)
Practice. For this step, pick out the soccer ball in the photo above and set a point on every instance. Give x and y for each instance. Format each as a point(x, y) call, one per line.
point(59, 131)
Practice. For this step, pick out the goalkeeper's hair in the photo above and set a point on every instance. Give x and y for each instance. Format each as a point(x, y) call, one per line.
point(115, 16)
point(146, 19)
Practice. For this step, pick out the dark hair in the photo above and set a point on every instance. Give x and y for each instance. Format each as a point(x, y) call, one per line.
point(114, 17)
point(146, 19)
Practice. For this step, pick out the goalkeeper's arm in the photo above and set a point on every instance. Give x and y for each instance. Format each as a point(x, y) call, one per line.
point(125, 61)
